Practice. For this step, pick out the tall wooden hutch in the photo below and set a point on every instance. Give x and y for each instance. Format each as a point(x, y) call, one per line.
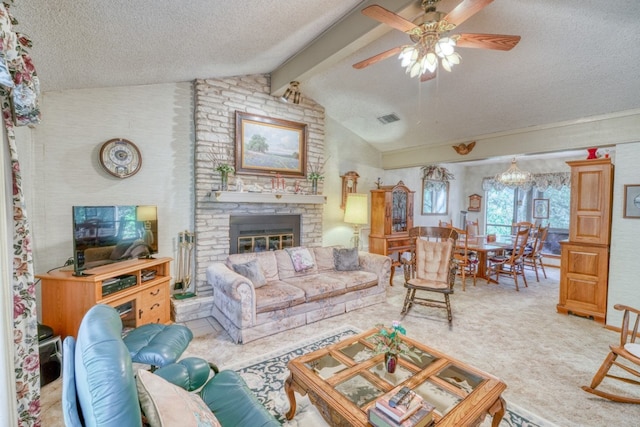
point(584, 265)
point(391, 219)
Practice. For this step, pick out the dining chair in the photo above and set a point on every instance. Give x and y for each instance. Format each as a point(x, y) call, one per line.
point(473, 230)
point(533, 257)
point(431, 268)
point(512, 263)
point(466, 259)
point(445, 223)
point(628, 350)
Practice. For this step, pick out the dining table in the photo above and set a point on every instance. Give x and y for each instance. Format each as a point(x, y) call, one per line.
point(483, 248)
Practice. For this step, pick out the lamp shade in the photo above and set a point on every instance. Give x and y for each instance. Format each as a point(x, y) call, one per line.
point(356, 209)
point(146, 213)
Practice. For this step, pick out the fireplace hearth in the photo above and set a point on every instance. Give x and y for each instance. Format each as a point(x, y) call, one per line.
point(258, 233)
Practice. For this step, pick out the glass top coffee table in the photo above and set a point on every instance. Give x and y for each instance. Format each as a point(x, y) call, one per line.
point(344, 379)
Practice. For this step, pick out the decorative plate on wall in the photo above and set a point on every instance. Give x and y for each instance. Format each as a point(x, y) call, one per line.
point(120, 158)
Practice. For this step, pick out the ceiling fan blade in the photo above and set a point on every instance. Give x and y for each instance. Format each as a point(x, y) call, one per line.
point(465, 10)
point(377, 58)
point(385, 16)
point(428, 76)
point(488, 41)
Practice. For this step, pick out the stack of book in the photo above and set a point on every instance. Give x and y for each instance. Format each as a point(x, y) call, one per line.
point(401, 407)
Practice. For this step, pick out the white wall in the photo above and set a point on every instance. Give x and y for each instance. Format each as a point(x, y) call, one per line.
point(346, 152)
point(624, 268)
point(60, 161)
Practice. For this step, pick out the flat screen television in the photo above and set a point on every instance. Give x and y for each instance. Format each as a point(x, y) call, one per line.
point(108, 234)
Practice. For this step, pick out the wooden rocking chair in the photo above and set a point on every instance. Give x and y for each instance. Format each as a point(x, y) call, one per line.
point(431, 267)
point(628, 350)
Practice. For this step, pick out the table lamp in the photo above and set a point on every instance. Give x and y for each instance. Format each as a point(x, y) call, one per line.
point(146, 214)
point(356, 213)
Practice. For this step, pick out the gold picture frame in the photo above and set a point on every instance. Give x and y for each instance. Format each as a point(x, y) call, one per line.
point(268, 146)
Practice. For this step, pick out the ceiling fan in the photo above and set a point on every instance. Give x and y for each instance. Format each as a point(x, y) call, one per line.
point(431, 41)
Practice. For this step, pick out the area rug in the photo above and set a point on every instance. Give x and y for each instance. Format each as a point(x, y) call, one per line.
point(265, 376)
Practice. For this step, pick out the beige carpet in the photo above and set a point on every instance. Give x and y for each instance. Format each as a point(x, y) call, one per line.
point(544, 357)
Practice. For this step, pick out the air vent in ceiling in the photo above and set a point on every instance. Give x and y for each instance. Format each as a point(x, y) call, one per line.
point(389, 118)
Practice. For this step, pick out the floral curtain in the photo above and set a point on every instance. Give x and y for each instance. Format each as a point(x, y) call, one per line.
point(19, 90)
point(541, 182)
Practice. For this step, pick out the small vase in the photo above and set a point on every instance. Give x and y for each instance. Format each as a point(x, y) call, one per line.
point(592, 153)
point(314, 186)
point(224, 181)
point(390, 362)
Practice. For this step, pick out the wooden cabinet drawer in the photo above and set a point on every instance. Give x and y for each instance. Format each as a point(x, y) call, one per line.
point(154, 304)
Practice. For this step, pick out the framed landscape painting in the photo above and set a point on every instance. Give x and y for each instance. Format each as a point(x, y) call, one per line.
point(268, 146)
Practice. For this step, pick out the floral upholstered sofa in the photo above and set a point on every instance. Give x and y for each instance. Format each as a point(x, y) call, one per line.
point(263, 293)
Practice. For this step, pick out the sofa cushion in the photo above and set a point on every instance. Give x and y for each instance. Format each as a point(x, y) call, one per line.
point(267, 262)
point(355, 280)
point(285, 266)
point(319, 286)
point(301, 259)
point(346, 259)
point(167, 405)
point(278, 295)
point(324, 258)
point(252, 271)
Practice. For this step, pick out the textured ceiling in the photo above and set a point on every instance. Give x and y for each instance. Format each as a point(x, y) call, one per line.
point(576, 59)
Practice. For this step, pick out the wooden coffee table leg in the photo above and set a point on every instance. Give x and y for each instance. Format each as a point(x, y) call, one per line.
point(497, 411)
point(288, 388)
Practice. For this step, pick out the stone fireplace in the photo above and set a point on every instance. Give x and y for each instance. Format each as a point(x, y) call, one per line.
point(258, 233)
point(216, 101)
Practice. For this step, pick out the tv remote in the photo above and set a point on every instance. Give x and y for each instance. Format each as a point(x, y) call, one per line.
point(397, 398)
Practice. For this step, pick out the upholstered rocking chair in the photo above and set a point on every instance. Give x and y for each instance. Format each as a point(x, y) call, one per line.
point(625, 355)
point(431, 268)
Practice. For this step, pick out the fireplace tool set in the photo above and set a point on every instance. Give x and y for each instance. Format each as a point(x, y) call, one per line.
point(184, 276)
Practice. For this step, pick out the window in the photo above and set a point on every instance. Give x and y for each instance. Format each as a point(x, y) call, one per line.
point(435, 197)
point(507, 206)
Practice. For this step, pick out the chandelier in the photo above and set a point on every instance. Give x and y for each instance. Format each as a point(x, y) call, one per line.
point(513, 176)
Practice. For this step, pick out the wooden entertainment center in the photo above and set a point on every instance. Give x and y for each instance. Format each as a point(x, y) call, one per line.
point(139, 298)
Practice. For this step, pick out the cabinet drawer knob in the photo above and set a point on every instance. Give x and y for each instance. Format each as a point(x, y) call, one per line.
point(154, 293)
point(156, 305)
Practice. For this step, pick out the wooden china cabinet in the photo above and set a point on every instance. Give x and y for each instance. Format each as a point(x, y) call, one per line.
point(391, 219)
point(584, 264)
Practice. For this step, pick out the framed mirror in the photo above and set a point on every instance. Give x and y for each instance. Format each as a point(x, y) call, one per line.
point(435, 197)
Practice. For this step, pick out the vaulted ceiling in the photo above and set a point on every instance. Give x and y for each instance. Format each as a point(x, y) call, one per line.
point(577, 59)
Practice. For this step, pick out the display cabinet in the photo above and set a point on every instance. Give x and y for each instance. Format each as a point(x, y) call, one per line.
point(391, 219)
point(139, 289)
point(584, 263)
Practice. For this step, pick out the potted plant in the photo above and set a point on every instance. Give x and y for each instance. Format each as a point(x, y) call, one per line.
point(389, 343)
point(222, 167)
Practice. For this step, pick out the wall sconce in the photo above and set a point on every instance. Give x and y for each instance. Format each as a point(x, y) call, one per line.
point(356, 212)
point(349, 185)
point(292, 94)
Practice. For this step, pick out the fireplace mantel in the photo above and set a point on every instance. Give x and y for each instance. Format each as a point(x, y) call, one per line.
point(243, 197)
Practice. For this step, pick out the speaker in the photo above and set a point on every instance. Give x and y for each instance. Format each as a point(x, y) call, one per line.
point(50, 360)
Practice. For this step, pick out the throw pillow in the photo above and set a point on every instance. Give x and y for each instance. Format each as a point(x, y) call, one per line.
point(167, 405)
point(346, 259)
point(252, 271)
point(301, 259)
